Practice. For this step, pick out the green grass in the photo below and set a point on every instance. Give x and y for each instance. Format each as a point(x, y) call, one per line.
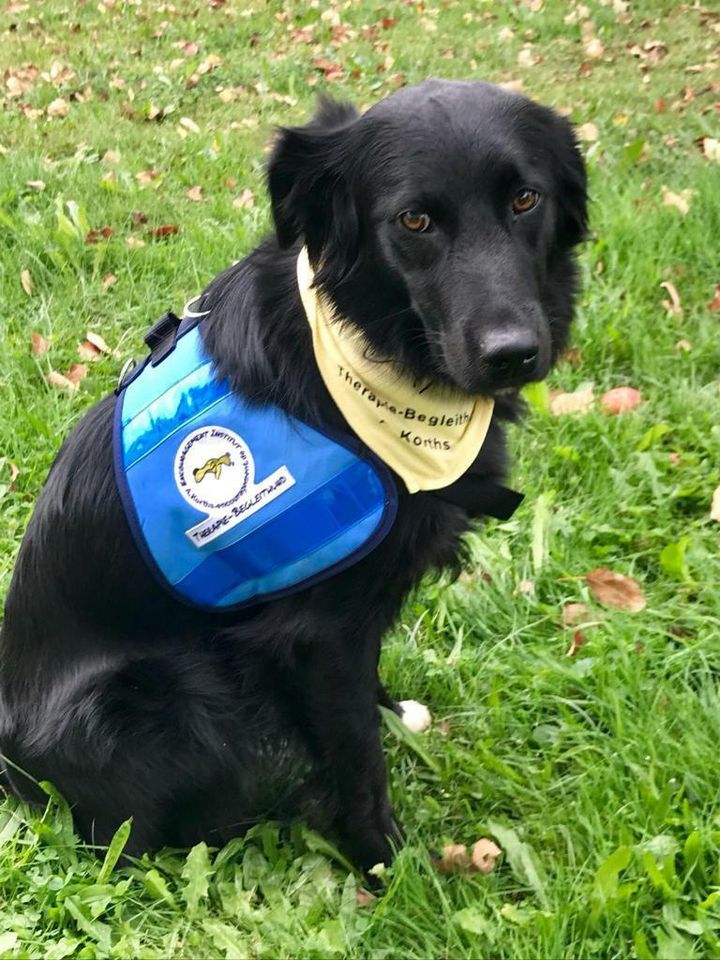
point(598, 773)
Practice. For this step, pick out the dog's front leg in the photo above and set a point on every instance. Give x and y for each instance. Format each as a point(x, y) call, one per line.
point(336, 689)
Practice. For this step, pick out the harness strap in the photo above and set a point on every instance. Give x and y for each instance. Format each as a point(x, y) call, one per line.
point(481, 497)
point(162, 336)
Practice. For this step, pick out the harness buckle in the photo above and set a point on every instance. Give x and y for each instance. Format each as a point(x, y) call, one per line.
point(161, 337)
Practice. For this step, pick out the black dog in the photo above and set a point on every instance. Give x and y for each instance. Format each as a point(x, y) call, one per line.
point(442, 224)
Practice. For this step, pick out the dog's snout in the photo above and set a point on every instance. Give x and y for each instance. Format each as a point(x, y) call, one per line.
point(511, 355)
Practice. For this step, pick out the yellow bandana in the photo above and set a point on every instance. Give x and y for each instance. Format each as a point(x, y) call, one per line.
point(428, 435)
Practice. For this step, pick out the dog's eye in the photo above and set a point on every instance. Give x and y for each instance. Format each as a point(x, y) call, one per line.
point(417, 222)
point(524, 200)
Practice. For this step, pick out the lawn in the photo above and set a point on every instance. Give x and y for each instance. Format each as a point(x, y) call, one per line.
point(132, 144)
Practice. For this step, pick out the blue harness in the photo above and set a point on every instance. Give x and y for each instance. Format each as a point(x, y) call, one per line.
point(230, 503)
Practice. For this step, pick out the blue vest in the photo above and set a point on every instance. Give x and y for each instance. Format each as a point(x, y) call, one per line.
point(230, 503)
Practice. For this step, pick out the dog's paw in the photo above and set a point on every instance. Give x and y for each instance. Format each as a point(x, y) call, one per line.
point(415, 716)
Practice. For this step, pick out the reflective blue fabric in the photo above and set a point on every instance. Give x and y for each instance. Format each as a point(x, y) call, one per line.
point(230, 503)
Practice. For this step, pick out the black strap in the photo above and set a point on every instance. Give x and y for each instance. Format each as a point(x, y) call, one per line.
point(161, 337)
point(481, 497)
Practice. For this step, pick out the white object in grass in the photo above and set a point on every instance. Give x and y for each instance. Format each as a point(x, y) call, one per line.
point(415, 716)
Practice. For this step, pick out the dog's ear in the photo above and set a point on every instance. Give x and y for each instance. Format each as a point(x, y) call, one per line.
point(308, 184)
point(572, 185)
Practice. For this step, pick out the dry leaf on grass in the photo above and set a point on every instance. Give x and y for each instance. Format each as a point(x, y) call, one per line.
point(26, 281)
point(578, 641)
point(715, 507)
point(714, 304)
point(39, 345)
point(36, 184)
point(166, 230)
point(195, 194)
point(620, 400)
point(673, 306)
point(61, 382)
point(108, 280)
point(93, 348)
point(574, 613)
point(594, 48)
point(587, 132)
point(616, 590)
point(484, 855)
point(244, 201)
point(711, 148)
point(456, 859)
point(58, 108)
point(77, 373)
point(580, 401)
point(681, 201)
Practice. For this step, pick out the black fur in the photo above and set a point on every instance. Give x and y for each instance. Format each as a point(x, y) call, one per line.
point(195, 724)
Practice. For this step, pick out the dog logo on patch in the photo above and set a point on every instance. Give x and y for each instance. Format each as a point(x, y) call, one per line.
point(212, 466)
point(234, 493)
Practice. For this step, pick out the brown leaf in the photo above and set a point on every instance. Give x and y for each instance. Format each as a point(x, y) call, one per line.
point(620, 400)
point(715, 507)
point(574, 613)
point(714, 304)
point(673, 306)
point(26, 281)
point(189, 124)
point(58, 108)
point(166, 230)
point(245, 200)
point(93, 347)
point(61, 382)
point(95, 236)
point(711, 148)
point(195, 194)
point(36, 184)
point(573, 356)
point(77, 372)
point(147, 176)
point(681, 201)
point(108, 280)
point(588, 132)
point(39, 345)
point(594, 48)
point(454, 859)
point(580, 401)
point(211, 63)
point(616, 590)
point(363, 898)
point(579, 640)
point(484, 855)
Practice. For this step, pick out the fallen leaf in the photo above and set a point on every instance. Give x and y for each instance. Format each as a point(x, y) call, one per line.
point(484, 855)
point(454, 859)
point(147, 176)
point(681, 201)
point(683, 346)
point(673, 305)
point(93, 347)
point(616, 590)
point(594, 48)
point(711, 148)
point(245, 200)
point(573, 356)
point(95, 236)
point(714, 304)
point(363, 898)
point(77, 372)
point(620, 400)
point(166, 230)
point(588, 132)
point(111, 157)
point(526, 57)
point(525, 587)
point(39, 345)
point(715, 507)
point(26, 281)
point(195, 194)
point(189, 124)
point(134, 242)
point(61, 382)
point(580, 401)
point(36, 184)
point(660, 106)
point(108, 280)
point(58, 108)
point(574, 613)
point(579, 640)
point(211, 62)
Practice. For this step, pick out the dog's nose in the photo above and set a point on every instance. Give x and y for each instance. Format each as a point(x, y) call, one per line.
point(511, 355)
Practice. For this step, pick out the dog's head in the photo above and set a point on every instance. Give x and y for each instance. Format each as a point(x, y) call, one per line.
point(442, 222)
